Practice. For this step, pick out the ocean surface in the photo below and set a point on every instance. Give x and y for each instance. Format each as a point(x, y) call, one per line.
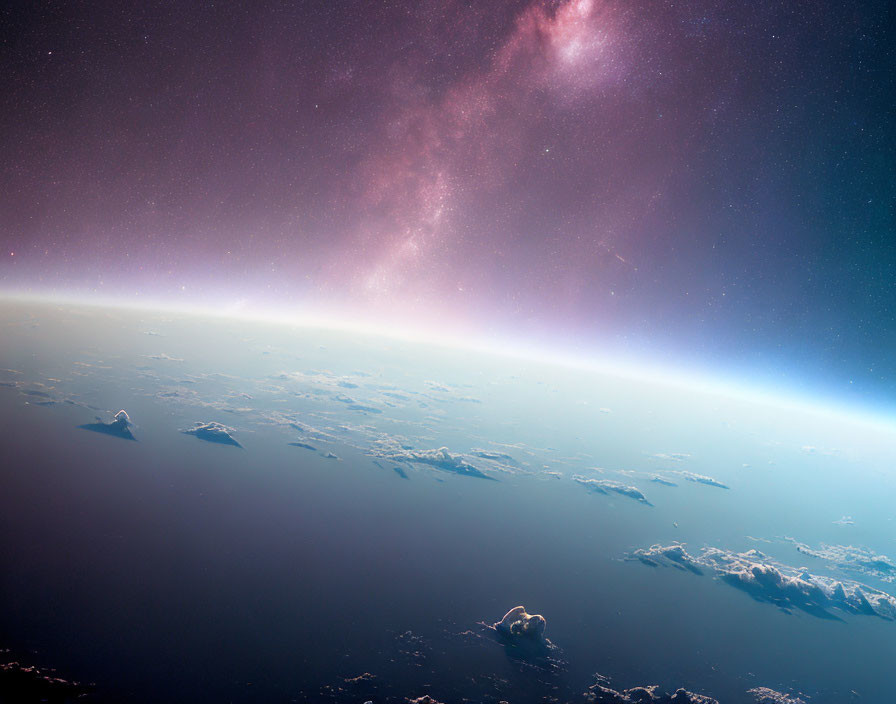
point(177, 570)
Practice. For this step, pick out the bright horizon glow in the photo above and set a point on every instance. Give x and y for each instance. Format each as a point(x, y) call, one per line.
point(645, 371)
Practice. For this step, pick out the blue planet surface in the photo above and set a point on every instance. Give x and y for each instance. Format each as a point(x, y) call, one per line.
point(214, 509)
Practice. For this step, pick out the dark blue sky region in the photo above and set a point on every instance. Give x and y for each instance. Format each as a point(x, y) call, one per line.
point(708, 184)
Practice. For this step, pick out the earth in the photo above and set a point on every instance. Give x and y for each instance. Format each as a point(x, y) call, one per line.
point(200, 508)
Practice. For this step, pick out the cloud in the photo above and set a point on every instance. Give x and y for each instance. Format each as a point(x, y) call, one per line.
point(213, 432)
point(845, 521)
point(852, 559)
point(414, 649)
point(26, 683)
point(42, 390)
point(307, 430)
point(163, 357)
point(672, 456)
point(496, 461)
point(606, 486)
point(519, 624)
point(773, 582)
point(764, 695)
point(523, 638)
point(353, 405)
point(674, 553)
point(702, 479)
point(661, 480)
point(812, 450)
point(119, 427)
point(396, 396)
point(601, 693)
point(501, 457)
point(440, 459)
point(362, 408)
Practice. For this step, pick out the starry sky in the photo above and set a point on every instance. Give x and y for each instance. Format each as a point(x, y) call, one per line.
point(704, 183)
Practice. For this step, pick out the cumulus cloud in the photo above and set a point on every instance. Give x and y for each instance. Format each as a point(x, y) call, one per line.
point(519, 624)
point(601, 693)
point(119, 426)
point(213, 432)
point(320, 384)
point(607, 486)
point(662, 480)
point(702, 479)
point(852, 559)
point(674, 554)
point(440, 459)
point(523, 638)
point(845, 521)
point(764, 695)
point(495, 461)
point(773, 582)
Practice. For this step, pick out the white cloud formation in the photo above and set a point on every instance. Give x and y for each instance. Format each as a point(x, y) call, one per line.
point(519, 624)
point(440, 458)
point(213, 432)
point(852, 559)
point(607, 486)
point(702, 479)
point(601, 693)
point(764, 695)
point(768, 580)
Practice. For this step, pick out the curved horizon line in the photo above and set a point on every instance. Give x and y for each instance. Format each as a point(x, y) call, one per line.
point(714, 384)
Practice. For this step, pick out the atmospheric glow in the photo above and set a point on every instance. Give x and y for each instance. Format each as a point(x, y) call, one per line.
point(641, 371)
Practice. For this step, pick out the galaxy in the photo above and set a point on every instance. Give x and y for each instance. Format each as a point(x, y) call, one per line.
point(700, 183)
